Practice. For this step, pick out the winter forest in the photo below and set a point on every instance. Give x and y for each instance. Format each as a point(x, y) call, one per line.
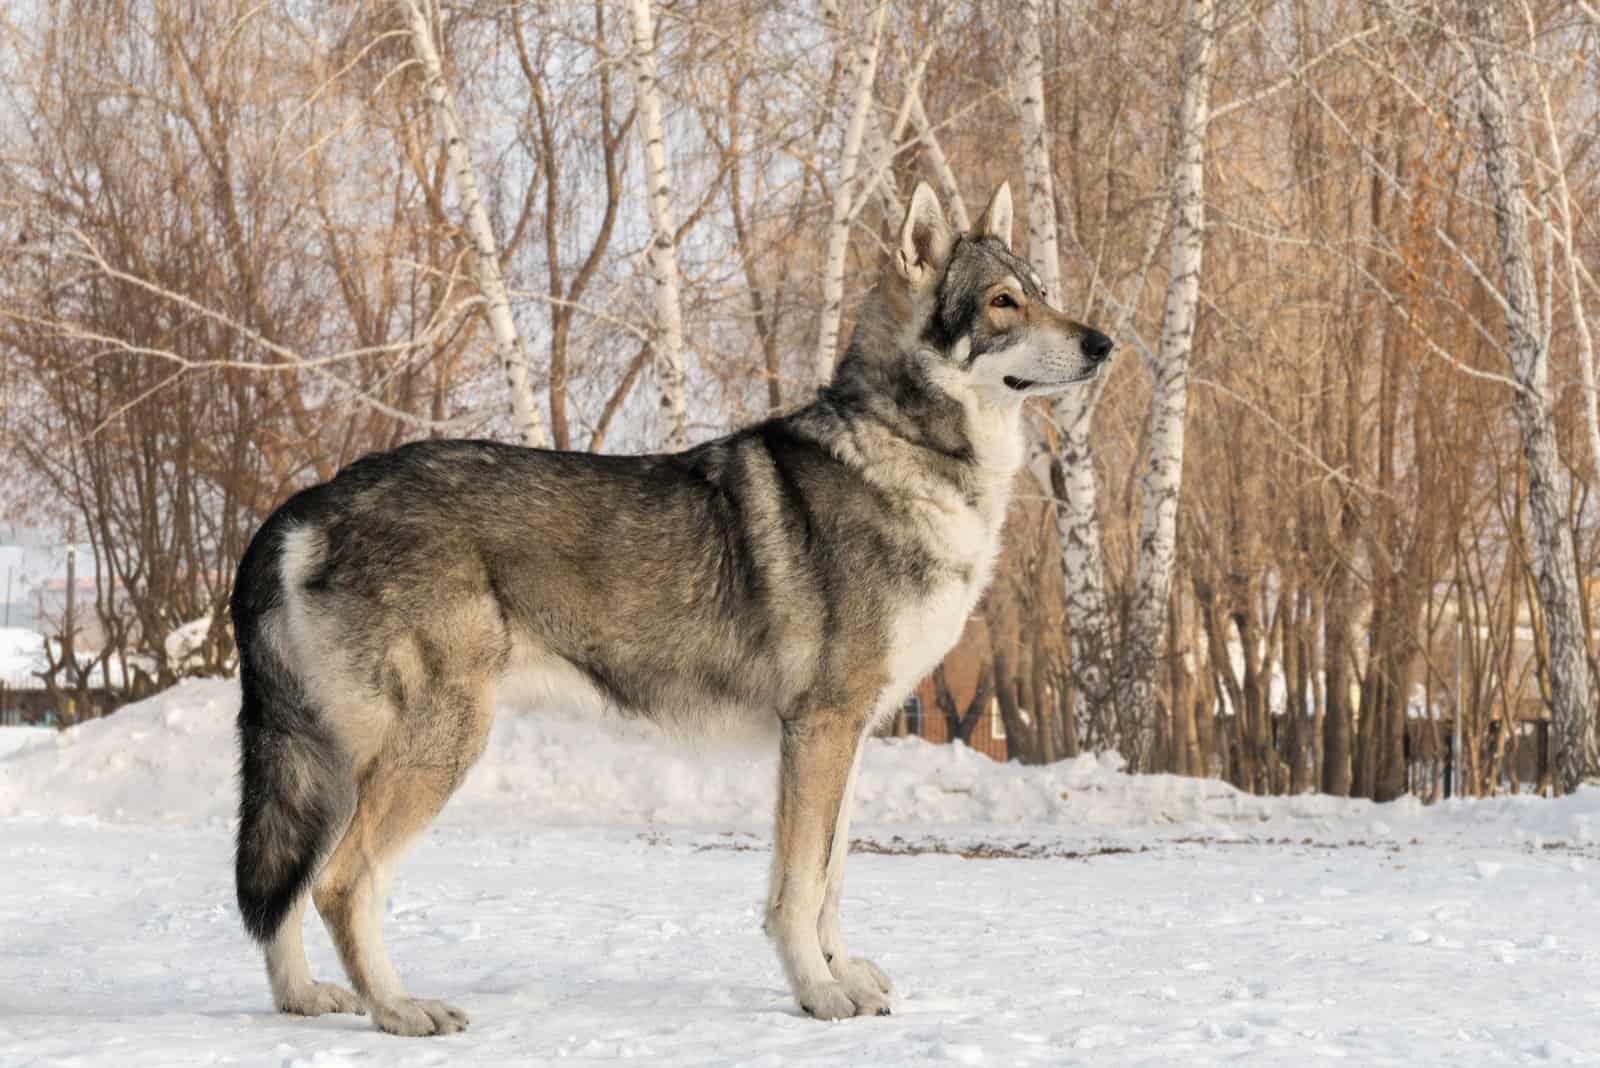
point(1328, 523)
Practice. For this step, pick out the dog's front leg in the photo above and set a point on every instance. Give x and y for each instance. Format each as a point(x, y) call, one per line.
point(861, 978)
point(814, 769)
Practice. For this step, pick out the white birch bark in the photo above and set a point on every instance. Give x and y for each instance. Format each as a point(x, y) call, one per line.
point(1082, 564)
point(1044, 247)
point(1555, 569)
point(882, 149)
point(878, 151)
point(1144, 645)
point(509, 349)
point(1077, 496)
point(862, 73)
point(948, 186)
point(1562, 195)
point(661, 253)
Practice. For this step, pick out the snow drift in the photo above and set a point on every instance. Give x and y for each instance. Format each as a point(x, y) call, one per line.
point(171, 759)
point(592, 895)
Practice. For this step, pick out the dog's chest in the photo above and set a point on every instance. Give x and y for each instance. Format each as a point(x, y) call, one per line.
point(925, 626)
point(961, 530)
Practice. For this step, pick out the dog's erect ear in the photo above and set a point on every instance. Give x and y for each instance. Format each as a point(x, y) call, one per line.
point(925, 238)
point(996, 218)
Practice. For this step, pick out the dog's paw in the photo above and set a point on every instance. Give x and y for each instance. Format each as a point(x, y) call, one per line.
point(860, 977)
point(320, 998)
point(831, 1001)
point(416, 1016)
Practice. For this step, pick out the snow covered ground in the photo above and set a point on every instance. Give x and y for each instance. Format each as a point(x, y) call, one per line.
point(593, 895)
point(21, 654)
point(14, 738)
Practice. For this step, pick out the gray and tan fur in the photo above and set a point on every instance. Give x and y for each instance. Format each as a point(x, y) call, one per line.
point(811, 568)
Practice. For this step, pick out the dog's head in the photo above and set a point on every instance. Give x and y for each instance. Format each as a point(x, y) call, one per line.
point(982, 308)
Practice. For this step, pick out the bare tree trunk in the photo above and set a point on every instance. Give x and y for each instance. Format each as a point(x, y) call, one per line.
point(1390, 778)
point(1142, 647)
point(1082, 568)
point(1044, 249)
point(1004, 628)
point(1184, 757)
point(1562, 194)
point(1336, 724)
point(1067, 712)
point(512, 354)
point(959, 724)
point(1019, 741)
point(1044, 713)
point(1072, 471)
point(661, 253)
point(865, 65)
point(1551, 549)
point(69, 635)
point(1298, 643)
point(1289, 637)
point(948, 186)
point(878, 153)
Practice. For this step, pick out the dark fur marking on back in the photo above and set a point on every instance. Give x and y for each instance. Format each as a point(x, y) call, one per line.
point(780, 443)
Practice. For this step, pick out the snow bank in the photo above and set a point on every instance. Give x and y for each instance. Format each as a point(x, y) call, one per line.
point(14, 738)
point(21, 654)
point(168, 758)
point(23, 657)
point(185, 641)
point(172, 758)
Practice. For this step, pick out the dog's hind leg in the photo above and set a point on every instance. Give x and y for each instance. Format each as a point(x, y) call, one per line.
point(861, 978)
point(402, 790)
point(293, 989)
point(814, 764)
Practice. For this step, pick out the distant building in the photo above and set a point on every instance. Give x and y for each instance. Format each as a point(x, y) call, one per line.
point(923, 717)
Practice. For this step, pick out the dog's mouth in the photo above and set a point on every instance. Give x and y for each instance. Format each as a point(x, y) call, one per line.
point(1022, 385)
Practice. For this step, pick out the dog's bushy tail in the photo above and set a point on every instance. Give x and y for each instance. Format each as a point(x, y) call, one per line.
point(295, 786)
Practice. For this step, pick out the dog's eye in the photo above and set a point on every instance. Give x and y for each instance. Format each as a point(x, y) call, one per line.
point(1003, 301)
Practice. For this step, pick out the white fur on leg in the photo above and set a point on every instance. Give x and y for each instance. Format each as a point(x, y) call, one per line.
point(828, 923)
point(392, 1009)
point(293, 989)
point(862, 980)
point(793, 925)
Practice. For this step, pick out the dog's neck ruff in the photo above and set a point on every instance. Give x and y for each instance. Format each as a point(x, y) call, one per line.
point(917, 429)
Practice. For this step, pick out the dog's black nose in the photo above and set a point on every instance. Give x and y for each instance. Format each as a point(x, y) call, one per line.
point(1096, 345)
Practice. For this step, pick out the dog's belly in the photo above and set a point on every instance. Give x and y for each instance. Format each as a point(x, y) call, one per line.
point(535, 677)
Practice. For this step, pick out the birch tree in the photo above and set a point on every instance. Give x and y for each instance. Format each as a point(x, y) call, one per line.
point(1144, 644)
point(1560, 193)
point(949, 187)
point(1072, 470)
point(1527, 351)
point(510, 351)
point(861, 73)
point(661, 254)
point(1044, 248)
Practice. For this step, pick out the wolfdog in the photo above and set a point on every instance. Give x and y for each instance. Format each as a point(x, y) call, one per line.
point(811, 568)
